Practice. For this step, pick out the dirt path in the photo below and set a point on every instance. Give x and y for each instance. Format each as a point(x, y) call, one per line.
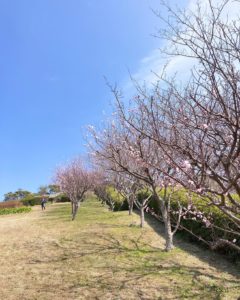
point(99, 256)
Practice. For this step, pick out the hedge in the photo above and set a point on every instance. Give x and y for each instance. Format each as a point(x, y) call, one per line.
point(32, 200)
point(197, 226)
point(62, 198)
point(16, 210)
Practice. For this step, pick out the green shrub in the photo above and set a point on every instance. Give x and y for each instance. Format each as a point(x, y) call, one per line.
point(58, 197)
point(116, 198)
point(32, 200)
point(110, 196)
point(62, 198)
point(16, 210)
point(197, 226)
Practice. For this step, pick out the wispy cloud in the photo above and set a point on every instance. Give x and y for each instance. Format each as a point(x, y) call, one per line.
point(154, 62)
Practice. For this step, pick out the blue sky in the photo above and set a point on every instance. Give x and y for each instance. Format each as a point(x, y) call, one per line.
point(53, 56)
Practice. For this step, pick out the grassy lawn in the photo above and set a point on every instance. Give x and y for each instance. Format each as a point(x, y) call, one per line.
point(104, 255)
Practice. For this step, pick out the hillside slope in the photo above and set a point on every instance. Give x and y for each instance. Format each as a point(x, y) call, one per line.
point(44, 255)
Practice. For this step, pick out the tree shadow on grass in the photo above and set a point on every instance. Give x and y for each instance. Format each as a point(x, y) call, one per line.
point(60, 213)
point(140, 261)
point(214, 259)
point(152, 264)
point(134, 263)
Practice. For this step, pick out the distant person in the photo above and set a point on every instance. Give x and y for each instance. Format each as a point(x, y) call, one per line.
point(43, 203)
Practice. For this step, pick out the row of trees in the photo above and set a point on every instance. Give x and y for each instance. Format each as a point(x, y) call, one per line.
point(17, 195)
point(187, 136)
point(21, 194)
point(175, 136)
point(48, 189)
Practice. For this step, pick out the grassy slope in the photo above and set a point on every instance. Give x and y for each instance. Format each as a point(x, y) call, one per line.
point(44, 255)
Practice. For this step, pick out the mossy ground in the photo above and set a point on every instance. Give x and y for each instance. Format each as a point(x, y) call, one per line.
point(104, 255)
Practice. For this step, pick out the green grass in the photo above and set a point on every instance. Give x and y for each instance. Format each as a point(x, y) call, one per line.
point(14, 210)
point(111, 245)
point(105, 255)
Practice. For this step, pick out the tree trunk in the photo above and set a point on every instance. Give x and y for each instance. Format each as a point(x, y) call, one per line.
point(75, 210)
point(142, 216)
point(167, 223)
point(167, 228)
point(168, 235)
point(130, 206)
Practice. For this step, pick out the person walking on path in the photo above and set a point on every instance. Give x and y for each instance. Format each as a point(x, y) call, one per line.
point(43, 203)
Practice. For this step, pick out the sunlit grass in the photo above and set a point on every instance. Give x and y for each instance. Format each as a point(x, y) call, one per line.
point(104, 255)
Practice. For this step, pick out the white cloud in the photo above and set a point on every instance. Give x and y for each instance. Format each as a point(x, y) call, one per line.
point(154, 63)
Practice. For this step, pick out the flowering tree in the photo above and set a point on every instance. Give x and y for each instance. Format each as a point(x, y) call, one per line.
point(103, 187)
point(196, 129)
point(127, 186)
point(181, 154)
point(205, 117)
point(172, 136)
point(74, 180)
point(121, 149)
point(131, 188)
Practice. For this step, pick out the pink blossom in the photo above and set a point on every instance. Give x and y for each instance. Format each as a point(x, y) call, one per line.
point(204, 126)
point(207, 223)
point(229, 138)
point(186, 165)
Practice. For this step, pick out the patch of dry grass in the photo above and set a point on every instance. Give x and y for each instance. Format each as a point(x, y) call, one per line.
point(44, 255)
point(10, 204)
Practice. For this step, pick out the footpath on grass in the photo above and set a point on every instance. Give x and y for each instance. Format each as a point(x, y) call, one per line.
point(104, 255)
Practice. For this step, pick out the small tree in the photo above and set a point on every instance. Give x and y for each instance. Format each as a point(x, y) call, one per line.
point(53, 188)
point(74, 180)
point(128, 187)
point(43, 190)
point(101, 189)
